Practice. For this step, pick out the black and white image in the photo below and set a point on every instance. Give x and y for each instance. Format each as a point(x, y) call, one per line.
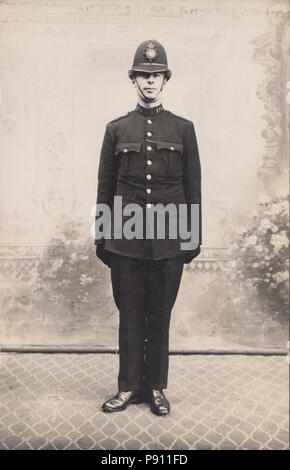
point(144, 235)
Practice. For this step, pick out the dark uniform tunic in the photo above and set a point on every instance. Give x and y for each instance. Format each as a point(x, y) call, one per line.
point(149, 156)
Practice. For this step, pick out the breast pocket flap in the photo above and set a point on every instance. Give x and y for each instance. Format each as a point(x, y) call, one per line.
point(173, 146)
point(125, 147)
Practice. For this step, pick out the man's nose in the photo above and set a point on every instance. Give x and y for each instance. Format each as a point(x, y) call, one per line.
point(150, 79)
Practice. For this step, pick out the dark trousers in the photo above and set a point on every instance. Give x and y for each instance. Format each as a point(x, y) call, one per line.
point(144, 292)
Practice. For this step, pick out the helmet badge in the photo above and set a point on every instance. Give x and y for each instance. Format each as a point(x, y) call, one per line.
point(151, 51)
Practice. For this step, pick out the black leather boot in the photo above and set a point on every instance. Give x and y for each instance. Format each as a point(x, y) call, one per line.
point(159, 404)
point(121, 400)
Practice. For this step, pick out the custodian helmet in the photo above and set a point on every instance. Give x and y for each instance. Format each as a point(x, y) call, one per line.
point(150, 57)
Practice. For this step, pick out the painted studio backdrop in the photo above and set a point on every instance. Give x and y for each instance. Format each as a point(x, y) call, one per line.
point(63, 76)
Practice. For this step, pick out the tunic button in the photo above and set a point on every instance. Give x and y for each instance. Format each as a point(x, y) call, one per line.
point(149, 162)
point(148, 177)
point(171, 148)
point(149, 148)
point(149, 121)
point(148, 190)
point(149, 205)
point(125, 150)
point(149, 133)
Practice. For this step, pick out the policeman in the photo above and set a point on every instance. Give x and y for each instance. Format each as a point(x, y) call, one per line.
point(149, 158)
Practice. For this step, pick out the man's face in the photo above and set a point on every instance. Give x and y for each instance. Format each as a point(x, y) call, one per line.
point(149, 84)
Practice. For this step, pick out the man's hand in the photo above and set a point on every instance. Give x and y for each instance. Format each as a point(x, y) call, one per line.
point(188, 257)
point(103, 255)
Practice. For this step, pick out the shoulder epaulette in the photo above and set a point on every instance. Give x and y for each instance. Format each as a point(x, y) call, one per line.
point(121, 117)
point(179, 117)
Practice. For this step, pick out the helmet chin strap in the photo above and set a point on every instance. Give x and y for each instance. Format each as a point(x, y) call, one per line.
point(146, 97)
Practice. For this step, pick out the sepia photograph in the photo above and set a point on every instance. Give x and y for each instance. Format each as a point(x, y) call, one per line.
point(144, 227)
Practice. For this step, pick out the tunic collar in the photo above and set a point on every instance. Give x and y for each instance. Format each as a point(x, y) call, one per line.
point(149, 111)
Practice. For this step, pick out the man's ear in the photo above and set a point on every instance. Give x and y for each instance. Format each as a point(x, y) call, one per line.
point(163, 83)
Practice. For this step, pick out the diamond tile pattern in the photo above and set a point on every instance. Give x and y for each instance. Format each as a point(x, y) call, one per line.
point(53, 401)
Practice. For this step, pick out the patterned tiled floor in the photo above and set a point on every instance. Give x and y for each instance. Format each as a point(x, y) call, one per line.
point(52, 401)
